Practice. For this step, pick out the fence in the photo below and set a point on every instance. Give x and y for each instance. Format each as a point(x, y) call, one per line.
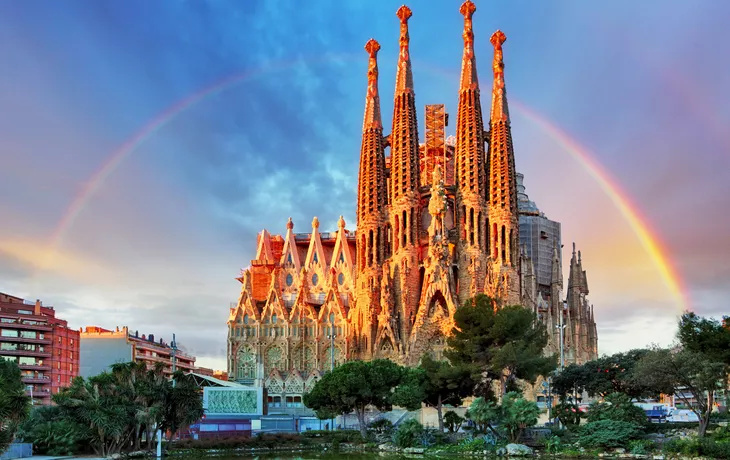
point(18, 450)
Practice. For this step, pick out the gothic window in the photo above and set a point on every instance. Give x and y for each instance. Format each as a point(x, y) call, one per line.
point(288, 258)
point(327, 358)
point(246, 364)
point(315, 279)
point(342, 257)
point(341, 279)
point(289, 280)
point(245, 319)
point(274, 360)
point(273, 318)
point(315, 259)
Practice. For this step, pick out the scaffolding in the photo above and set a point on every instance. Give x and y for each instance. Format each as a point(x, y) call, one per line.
point(434, 150)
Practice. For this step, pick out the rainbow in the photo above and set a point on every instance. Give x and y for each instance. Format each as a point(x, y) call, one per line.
point(648, 238)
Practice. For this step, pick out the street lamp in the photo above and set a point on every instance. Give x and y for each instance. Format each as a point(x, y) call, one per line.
point(561, 328)
point(547, 391)
point(332, 336)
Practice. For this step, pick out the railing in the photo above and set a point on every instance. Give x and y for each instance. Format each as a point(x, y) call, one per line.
point(42, 367)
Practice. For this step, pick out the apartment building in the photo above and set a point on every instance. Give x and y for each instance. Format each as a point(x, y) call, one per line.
point(100, 348)
point(43, 346)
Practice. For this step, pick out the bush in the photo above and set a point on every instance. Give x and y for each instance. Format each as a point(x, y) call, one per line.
point(552, 444)
point(52, 434)
point(608, 433)
point(381, 426)
point(409, 434)
point(568, 413)
point(453, 421)
point(617, 407)
point(694, 447)
point(641, 446)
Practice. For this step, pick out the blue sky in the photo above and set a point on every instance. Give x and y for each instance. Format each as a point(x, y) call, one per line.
point(643, 86)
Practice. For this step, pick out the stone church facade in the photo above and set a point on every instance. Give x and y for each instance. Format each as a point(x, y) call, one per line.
point(437, 223)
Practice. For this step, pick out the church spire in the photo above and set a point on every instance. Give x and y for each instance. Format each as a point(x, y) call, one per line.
point(499, 112)
point(469, 79)
point(503, 209)
point(404, 138)
point(404, 74)
point(371, 183)
point(372, 118)
point(469, 156)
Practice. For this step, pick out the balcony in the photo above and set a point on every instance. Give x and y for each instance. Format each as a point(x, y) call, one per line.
point(34, 353)
point(37, 379)
point(35, 367)
point(27, 327)
point(43, 341)
point(40, 393)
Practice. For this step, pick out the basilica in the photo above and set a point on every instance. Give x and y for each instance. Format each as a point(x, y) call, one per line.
point(438, 222)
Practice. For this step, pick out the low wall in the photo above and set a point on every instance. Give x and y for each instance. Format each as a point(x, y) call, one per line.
point(18, 450)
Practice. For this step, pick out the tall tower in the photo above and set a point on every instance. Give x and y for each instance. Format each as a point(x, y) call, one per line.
point(371, 221)
point(470, 170)
point(503, 210)
point(404, 183)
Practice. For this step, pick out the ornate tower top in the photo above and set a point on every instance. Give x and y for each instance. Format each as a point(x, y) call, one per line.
point(469, 79)
point(341, 222)
point(372, 99)
point(404, 74)
point(315, 223)
point(290, 224)
point(500, 112)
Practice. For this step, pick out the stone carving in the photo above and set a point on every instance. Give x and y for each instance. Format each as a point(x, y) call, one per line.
point(228, 401)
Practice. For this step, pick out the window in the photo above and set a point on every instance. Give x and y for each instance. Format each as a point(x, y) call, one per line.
point(28, 334)
point(70, 355)
point(58, 365)
point(274, 401)
point(9, 333)
point(72, 342)
point(71, 367)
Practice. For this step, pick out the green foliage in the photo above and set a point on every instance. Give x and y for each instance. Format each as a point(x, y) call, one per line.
point(553, 444)
point(356, 385)
point(517, 414)
point(706, 335)
point(483, 413)
point(685, 372)
point(513, 416)
point(608, 433)
point(117, 407)
point(618, 407)
point(381, 426)
point(641, 446)
point(52, 434)
point(695, 447)
point(603, 376)
point(453, 421)
point(14, 404)
point(504, 344)
point(409, 434)
point(568, 413)
point(435, 383)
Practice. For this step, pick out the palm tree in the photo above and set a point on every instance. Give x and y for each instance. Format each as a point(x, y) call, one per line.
point(14, 404)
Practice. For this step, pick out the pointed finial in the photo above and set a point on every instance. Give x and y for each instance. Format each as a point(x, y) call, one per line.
point(290, 224)
point(579, 261)
point(574, 248)
point(341, 222)
point(315, 223)
point(404, 74)
point(469, 78)
point(372, 100)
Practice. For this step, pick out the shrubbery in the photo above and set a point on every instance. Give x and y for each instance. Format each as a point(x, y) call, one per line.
point(608, 433)
point(52, 434)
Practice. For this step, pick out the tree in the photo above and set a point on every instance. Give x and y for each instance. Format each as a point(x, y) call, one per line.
point(453, 421)
point(505, 344)
point(603, 376)
point(354, 386)
point(513, 415)
point(706, 335)
point(682, 372)
point(14, 404)
point(182, 404)
point(439, 383)
point(617, 407)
